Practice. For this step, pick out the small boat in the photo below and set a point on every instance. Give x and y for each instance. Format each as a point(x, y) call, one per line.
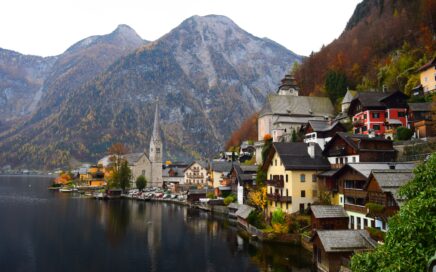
point(66, 190)
point(99, 195)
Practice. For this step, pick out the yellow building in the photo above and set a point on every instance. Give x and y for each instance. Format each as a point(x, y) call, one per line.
point(291, 176)
point(428, 76)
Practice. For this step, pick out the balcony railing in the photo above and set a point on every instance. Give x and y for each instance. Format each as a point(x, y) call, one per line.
point(354, 192)
point(279, 198)
point(279, 183)
point(356, 208)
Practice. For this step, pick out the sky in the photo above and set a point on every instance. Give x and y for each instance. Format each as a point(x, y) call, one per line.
point(49, 27)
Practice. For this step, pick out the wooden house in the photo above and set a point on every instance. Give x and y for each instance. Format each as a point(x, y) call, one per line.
point(334, 248)
point(383, 200)
point(328, 217)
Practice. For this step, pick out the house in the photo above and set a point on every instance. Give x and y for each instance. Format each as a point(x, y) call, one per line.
point(194, 195)
point(291, 170)
point(350, 183)
point(285, 111)
point(382, 188)
point(378, 112)
point(321, 131)
point(328, 217)
point(173, 174)
point(96, 176)
point(243, 178)
point(334, 248)
point(421, 119)
point(242, 215)
point(197, 173)
point(220, 177)
point(428, 76)
point(345, 148)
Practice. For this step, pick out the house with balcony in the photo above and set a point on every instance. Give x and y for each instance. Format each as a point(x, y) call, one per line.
point(383, 200)
point(196, 173)
point(243, 180)
point(220, 178)
point(350, 183)
point(321, 131)
point(292, 170)
point(421, 120)
point(379, 113)
point(346, 148)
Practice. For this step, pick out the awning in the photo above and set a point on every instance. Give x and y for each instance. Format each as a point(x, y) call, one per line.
point(394, 122)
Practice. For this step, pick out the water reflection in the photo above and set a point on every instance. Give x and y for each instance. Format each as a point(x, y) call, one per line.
point(66, 232)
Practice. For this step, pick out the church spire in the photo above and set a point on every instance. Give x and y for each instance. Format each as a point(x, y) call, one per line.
point(156, 129)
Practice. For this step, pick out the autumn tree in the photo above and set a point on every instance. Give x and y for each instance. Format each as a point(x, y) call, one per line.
point(247, 131)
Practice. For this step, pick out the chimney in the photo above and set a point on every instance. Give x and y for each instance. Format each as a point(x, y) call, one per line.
point(311, 150)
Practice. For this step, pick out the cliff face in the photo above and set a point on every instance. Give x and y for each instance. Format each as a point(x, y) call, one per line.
point(207, 73)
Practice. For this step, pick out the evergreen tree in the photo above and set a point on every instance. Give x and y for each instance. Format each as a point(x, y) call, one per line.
point(125, 176)
point(141, 182)
point(335, 85)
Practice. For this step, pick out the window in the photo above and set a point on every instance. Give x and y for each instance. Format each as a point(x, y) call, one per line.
point(314, 178)
point(270, 190)
point(270, 177)
point(303, 193)
point(365, 222)
point(401, 114)
point(287, 194)
point(314, 193)
point(356, 131)
point(364, 128)
point(358, 223)
point(337, 160)
point(351, 222)
point(375, 115)
point(346, 160)
point(275, 162)
point(302, 177)
point(287, 177)
point(364, 116)
point(287, 207)
point(376, 127)
point(354, 159)
point(157, 150)
point(341, 200)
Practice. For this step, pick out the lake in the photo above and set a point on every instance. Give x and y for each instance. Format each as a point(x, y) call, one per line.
point(42, 230)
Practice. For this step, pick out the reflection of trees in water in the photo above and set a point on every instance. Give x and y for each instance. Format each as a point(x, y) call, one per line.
point(279, 257)
point(118, 219)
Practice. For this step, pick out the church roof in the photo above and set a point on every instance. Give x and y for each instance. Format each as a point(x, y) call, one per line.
point(132, 158)
point(297, 106)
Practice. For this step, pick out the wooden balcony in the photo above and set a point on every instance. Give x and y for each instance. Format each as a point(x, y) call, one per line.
point(355, 208)
point(356, 193)
point(279, 198)
point(279, 183)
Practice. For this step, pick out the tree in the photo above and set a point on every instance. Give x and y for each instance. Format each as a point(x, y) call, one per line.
point(404, 134)
point(125, 175)
point(294, 136)
point(258, 199)
point(410, 241)
point(117, 151)
point(141, 182)
point(335, 85)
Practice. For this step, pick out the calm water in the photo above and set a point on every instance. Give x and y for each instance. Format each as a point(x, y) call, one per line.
point(41, 230)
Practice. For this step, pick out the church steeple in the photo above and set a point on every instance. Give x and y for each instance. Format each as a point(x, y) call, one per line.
point(156, 151)
point(289, 85)
point(156, 128)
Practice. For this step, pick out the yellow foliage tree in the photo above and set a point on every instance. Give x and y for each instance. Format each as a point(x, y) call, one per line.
point(258, 198)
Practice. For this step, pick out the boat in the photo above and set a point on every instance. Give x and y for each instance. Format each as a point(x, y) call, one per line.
point(66, 190)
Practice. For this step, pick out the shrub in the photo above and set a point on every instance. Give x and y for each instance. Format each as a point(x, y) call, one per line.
point(229, 199)
point(141, 182)
point(211, 195)
point(404, 134)
point(256, 219)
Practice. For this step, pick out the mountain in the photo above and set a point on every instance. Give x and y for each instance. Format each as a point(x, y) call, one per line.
point(32, 83)
point(208, 74)
point(382, 45)
point(21, 77)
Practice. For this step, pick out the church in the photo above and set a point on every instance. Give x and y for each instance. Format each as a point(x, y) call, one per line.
point(149, 166)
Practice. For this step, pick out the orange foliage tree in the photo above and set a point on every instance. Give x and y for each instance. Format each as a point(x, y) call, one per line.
point(247, 131)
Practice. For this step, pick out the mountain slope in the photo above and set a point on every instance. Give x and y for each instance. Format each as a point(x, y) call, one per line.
point(378, 32)
point(208, 74)
point(21, 77)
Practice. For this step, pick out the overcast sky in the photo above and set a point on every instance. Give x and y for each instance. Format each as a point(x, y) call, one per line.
point(49, 27)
